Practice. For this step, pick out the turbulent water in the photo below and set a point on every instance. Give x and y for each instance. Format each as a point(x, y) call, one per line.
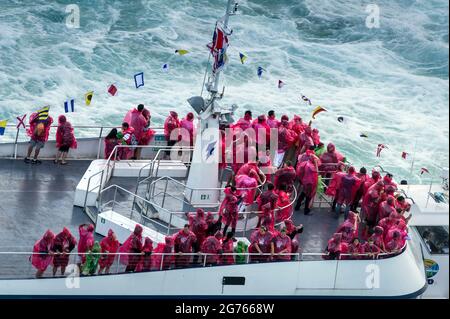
point(389, 82)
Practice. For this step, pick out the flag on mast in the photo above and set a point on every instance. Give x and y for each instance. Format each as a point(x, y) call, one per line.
point(3, 127)
point(243, 57)
point(21, 121)
point(72, 106)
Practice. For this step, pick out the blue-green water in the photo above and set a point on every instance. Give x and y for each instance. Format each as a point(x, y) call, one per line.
point(390, 82)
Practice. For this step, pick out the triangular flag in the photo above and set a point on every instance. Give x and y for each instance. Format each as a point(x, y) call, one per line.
point(139, 80)
point(318, 110)
point(307, 100)
point(181, 52)
point(424, 170)
point(404, 155)
point(112, 90)
point(88, 97)
point(43, 113)
point(3, 127)
point(260, 71)
point(340, 119)
point(243, 57)
point(21, 121)
point(70, 108)
point(281, 84)
point(165, 67)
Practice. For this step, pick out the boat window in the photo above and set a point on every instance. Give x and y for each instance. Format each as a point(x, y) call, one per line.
point(435, 238)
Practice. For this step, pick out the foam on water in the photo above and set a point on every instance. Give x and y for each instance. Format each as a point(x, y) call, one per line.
point(391, 82)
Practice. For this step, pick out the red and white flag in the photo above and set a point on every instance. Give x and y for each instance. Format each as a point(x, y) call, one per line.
point(424, 170)
point(404, 155)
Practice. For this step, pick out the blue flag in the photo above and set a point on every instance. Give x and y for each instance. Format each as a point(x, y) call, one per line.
point(260, 71)
point(139, 80)
point(72, 106)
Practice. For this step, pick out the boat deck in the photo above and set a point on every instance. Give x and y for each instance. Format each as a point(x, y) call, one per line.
point(40, 197)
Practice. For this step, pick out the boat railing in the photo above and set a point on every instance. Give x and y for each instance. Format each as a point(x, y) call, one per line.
point(17, 265)
point(138, 214)
point(21, 136)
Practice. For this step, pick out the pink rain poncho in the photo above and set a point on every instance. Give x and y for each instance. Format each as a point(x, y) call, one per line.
point(63, 243)
point(267, 218)
point(43, 246)
point(187, 126)
point(145, 263)
point(137, 121)
point(389, 222)
point(268, 196)
point(213, 247)
point(334, 185)
point(133, 245)
point(109, 247)
point(285, 176)
point(386, 208)
point(334, 246)
point(172, 124)
point(349, 228)
point(64, 134)
point(370, 202)
point(273, 122)
point(229, 208)
point(371, 250)
point(297, 125)
point(387, 180)
point(86, 241)
point(246, 168)
point(329, 160)
point(227, 248)
point(166, 262)
point(292, 232)
point(378, 237)
point(244, 122)
point(395, 243)
point(316, 136)
point(147, 132)
point(284, 209)
point(128, 137)
point(39, 130)
point(309, 177)
point(305, 139)
point(246, 186)
point(262, 131)
point(282, 244)
point(183, 243)
point(348, 186)
point(286, 137)
point(371, 181)
point(263, 241)
point(198, 225)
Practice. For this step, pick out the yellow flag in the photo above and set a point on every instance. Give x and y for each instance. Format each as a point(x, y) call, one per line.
point(318, 110)
point(88, 97)
point(182, 52)
point(43, 113)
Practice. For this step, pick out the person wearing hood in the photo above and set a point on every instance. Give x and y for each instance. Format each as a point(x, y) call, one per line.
point(268, 218)
point(297, 125)
point(65, 139)
point(308, 175)
point(145, 263)
point(334, 247)
point(38, 132)
point(147, 132)
point(63, 244)
point(285, 176)
point(184, 241)
point(329, 162)
point(286, 140)
point(85, 243)
point(373, 179)
point(272, 120)
point(90, 266)
point(284, 208)
point(293, 232)
point(316, 136)
point(127, 138)
point(135, 118)
point(350, 227)
point(261, 240)
point(306, 139)
point(246, 186)
point(389, 181)
point(395, 244)
point(227, 248)
point(378, 237)
point(347, 190)
point(187, 129)
point(265, 164)
point(132, 246)
point(199, 226)
point(281, 246)
point(109, 247)
point(245, 122)
point(371, 249)
point(388, 222)
point(163, 255)
point(370, 205)
point(262, 132)
point(270, 196)
point(229, 209)
point(363, 177)
point(355, 248)
point(42, 253)
point(212, 247)
point(172, 130)
point(386, 208)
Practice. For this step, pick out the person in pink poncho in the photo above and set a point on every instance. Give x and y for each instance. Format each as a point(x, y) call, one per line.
point(308, 175)
point(132, 246)
point(65, 139)
point(63, 244)
point(109, 247)
point(136, 120)
point(163, 255)
point(244, 122)
point(184, 241)
point(293, 232)
point(38, 132)
point(270, 196)
point(297, 125)
point(374, 178)
point(386, 208)
point(388, 181)
point(285, 176)
point(370, 205)
point(261, 240)
point(229, 209)
point(363, 177)
point(316, 136)
point(350, 227)
point(378, 237)
point(388, 222)
point(395, 244)
point(305, 140)
point(334, 185)
point(145, 263)
point(371, 249)
point(347, 190)
point(228, 248)
point(86, 234)
point(281, 246)
point(265, 164)
point(212, 247)
point(272, 120)
point(286, 140)
point(329, 162)
point(262, 132)
point(199, 226)
point(246, 186)
point(42, 254)
point(283, 208)
point(187, 129)
point(172, 130)
point(128, 138)
point(147, 133)
point(268, 218)
point(334, 247)
point(355, 248)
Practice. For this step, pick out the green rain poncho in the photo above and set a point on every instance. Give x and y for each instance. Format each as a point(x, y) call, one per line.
point(91, 264)
point(319, 151)
point(241, 248)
